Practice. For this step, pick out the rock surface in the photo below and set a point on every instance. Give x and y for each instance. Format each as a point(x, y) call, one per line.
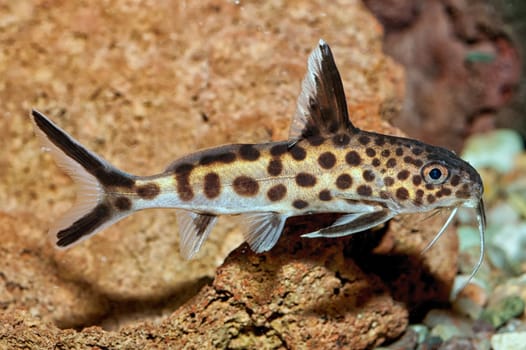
point(463, 66)
point(143, 83)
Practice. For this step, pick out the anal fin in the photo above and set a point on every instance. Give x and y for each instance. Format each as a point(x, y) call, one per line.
point(193, 230)
point(352, 223)
point(264, 230)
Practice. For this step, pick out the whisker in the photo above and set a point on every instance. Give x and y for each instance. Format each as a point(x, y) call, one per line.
point(481, 219)
point(442, 230)
point(432, 214)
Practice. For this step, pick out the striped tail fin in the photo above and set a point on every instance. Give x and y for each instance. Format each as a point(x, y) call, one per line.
point(95, 207)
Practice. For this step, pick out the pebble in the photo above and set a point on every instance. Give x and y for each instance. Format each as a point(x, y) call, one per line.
point(447, 324)
point(497, 150)
point(503, 311)
point(421, 332)
point(408, 341)
point(509, 341)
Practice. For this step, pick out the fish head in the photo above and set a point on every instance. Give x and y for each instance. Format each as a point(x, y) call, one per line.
point(452, 181)
point(411, 176)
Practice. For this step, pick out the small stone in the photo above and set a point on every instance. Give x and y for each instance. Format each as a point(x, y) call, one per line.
point(459, 344)
point(448, 331)
point(513, 325)
point(431, 343)
point(421, 332)
point(408, 341)
point(468, 306)
point(508, 341)
point(496, 150)
point(438, 319)
point(483, 326)
point(503, 311)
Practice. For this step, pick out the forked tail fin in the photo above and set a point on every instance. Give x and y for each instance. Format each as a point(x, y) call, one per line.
point(95, 207)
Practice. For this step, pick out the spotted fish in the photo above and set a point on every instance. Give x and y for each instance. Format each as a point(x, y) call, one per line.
point(326, 165)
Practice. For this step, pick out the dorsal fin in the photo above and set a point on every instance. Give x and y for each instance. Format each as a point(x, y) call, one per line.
point(321, 107)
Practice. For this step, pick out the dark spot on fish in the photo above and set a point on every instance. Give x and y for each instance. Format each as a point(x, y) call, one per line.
point(277, 192)
point(402, 193)
point(225, 157)
point(391, 163)
point(386, 153)
point(430, 187)
point(305, 180)
point(455, 180)
point(420, 193)
point(376, 162)
point(327, 160)
point(316, 140)
point(182, 176)
point(148, 191)
point(212, 186)
point(418, 201)
point(275, 167)
point(325, 195)
point(399, 151)
point(417, 151)
point(464, 192)
point(417, 180)
point(344, 181)
point(403, 175)
point(353, 158)
point(385, 195)
point(379, 140)
point(389, 181)
point(300, 204)
point(443, 192)
point(368, 175)
point(411, 160)
point(123, 203)
point(298, 153)
point(364, 140)
point(370, 152)
point(341, 140)
point(364, 190)
point(431, 198)
point(249, 152)
point(245, 186)
point(279, 149)
point(112, 178)
point(185, 168)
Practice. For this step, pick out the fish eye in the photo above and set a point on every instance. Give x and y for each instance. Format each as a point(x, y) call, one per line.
point(435, 173)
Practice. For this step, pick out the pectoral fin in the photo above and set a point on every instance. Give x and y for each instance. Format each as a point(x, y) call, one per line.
point(193, 230)
point(352, 223)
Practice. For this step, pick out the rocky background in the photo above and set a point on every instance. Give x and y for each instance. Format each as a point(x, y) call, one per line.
point(145, 82)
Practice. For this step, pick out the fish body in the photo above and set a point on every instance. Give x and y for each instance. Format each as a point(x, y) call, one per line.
point(326, 166)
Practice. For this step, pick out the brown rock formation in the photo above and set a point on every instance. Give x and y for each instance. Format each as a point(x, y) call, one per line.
point(462, 67)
